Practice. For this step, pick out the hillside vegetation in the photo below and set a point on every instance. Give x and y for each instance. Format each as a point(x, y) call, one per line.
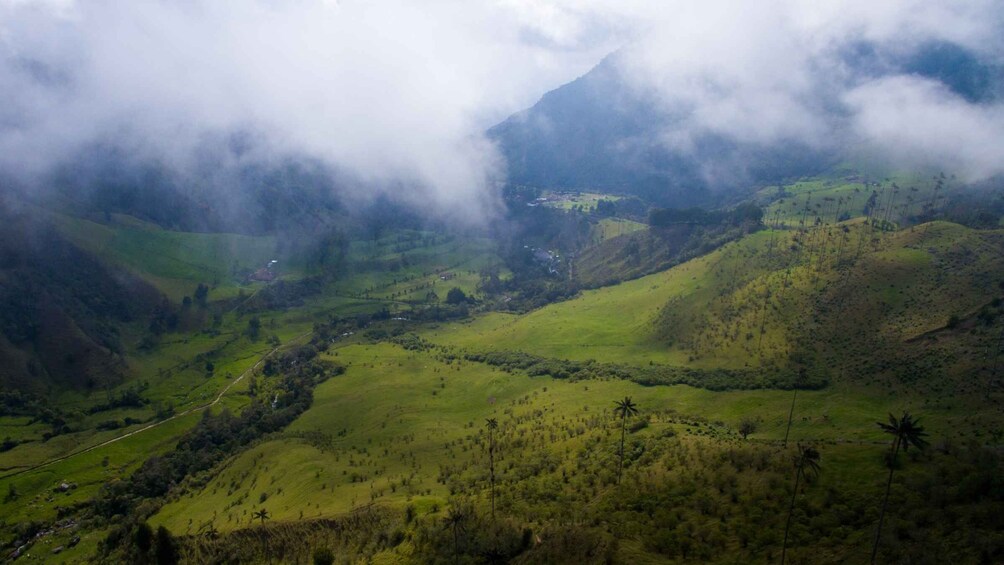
point(826, 300)
point(233, 434)
point(399, 443)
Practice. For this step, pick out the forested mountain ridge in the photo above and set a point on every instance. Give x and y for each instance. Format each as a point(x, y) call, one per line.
point(606, 130)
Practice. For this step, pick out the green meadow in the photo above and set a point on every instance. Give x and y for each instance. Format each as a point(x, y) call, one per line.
point(174, 262)
point(385, 430)
point(609, 228)
point(894, 198)
point(566, 200)
point(403, 430)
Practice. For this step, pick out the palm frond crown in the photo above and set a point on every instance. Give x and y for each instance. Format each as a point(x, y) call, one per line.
point(626, 407)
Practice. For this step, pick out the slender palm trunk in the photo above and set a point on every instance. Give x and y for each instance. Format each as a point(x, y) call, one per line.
point(790, 414)
point(885, 500)
point(491, 467)
point(791, 508)
point(620, 465)
point(763, 323)
point(997, 354)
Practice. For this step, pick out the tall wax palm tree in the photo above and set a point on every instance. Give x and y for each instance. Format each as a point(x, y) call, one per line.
point(800, 380)
point(906, 432)
point(806, 463)
point(260, 515)
point(456, 519)
point(791, 413)
point(624, 408)
point(492, 424)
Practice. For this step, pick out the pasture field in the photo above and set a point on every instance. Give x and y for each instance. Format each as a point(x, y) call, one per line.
point(174, 262)
point(609, 228)
point(407, 267)
point(403, 429)
point(379, 432)
point(566, 200)
point(892, 198)
point(612, 324)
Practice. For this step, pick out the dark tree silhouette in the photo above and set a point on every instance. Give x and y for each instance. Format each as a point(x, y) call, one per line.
point(456, 296)
point(747, 426)
point(492, 424)
point(260, 515)
point(799, 381)
point(456, 520)
point(143, 537)
point(165, 548)
point(624, 408)
point(906, 432)
point(806, 463)
point(790, 414)
point(323, 556)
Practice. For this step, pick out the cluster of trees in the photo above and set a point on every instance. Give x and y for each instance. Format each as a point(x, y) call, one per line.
point(18, 403)
point(648, 375)
point(282, 295)
point(130, 397)
point(629, 207)
point(746, 213)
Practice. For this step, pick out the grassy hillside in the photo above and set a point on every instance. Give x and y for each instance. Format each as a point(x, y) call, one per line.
point(390, 462)
point(175, 262)
point(187, 367)
point(403, 432)
point(61, 311)
point(829, 199)
point(415, 267)
point(642, 251)
point(615, 323)
point(609, 228)
point(772, 299)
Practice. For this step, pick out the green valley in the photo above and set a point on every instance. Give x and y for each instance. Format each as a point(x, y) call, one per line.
point(480, 283)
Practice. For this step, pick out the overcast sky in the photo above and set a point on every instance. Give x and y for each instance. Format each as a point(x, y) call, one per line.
point(398, 92)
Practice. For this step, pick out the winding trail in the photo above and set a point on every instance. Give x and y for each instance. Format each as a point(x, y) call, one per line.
point(215, 401)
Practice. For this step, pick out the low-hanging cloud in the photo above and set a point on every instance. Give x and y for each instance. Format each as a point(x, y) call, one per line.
point(393, 94)
point(398, 94)
point(829, 75)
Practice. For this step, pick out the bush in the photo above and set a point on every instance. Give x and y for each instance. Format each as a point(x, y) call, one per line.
point(323, 556)
point(456, 296)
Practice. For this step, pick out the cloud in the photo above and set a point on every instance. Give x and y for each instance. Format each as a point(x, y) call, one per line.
point(394, 94)
point(919, 122)
point(785, 70)
point(827, 74)
point(397, 94)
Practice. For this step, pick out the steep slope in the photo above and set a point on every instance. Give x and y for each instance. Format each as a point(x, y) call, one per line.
point(600, 131)
point(844, 302)
point(61, 310)
point(593, 132)
point(607, 131)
